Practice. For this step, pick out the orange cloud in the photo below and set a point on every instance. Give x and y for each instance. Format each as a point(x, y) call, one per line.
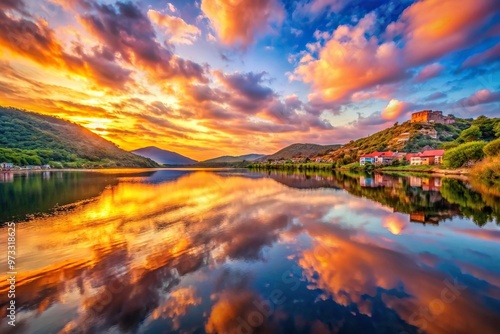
point(235, 312)
point(355, 60)
point(177, 304)
point(176, 28)
point(395, 223)
point(433, 28)
point(394, 109)
point(240, 22)
point(35, 40)
point(350, 62)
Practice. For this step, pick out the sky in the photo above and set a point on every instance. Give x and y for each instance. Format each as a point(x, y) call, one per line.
point(207, 78)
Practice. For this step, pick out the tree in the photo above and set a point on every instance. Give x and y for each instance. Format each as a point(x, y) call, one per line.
point(471, 134)
point(497, 130)
point(450, 145)
point(462, 154)
point(487, 126)
point(492, 149)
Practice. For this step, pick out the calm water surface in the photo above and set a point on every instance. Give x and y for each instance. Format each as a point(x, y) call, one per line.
point(234, 251)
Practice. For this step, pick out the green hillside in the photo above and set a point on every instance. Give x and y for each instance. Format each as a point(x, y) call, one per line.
point(28, 138)
point(405, 137)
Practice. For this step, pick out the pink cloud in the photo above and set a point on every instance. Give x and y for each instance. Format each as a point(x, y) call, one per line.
point(491, 54)
point(483, 96)
point(490, 235)
point(429, 72)
point(171, 7)
point(315, 7)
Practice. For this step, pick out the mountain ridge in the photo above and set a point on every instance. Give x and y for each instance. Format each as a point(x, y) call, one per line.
point(163, 157)
point(233, 158)
point(300, 150)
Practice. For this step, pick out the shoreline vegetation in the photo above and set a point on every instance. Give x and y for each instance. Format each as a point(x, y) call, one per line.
point(483, 176)
point(427, 169)
point(484, 173)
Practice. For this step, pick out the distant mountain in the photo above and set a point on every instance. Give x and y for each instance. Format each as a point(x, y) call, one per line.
point(300, 151)
point(164, 157)
point(28, 138)
point(231, 159)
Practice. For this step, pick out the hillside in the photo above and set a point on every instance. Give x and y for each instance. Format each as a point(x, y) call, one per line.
point(411, 137)
point(28, 138)
point(231, 159)
point(300, 151)
point(163, 157)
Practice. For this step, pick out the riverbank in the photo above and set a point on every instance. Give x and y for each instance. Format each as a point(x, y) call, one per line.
point(430, 170)
point(435, 171)
point(422, 169)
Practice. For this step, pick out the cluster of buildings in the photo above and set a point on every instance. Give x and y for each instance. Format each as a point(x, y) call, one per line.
point(8, 166)
point(430, 186)
point(429, 157)
point(382, 180)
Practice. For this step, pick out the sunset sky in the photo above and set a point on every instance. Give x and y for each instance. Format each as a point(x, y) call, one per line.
point(212, 77)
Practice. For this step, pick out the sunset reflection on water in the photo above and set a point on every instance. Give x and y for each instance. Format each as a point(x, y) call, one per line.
point(207, 251)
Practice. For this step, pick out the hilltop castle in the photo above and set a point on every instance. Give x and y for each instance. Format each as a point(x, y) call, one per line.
point(429, 116)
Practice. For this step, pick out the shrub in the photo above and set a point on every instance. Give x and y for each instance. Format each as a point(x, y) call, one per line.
point(492, 149)
point(471, 134)
point(462, 154)
point(488, 172)
point(497, 129)
point(368, 167)
point(450, 145)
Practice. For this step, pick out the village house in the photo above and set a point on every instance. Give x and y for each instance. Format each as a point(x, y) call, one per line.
point(381, 158)
point(430, 157)
point(386, 158)
point(6, 166)
point(368, 158)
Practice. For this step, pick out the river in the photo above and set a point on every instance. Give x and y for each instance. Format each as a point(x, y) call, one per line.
point(239, 251)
